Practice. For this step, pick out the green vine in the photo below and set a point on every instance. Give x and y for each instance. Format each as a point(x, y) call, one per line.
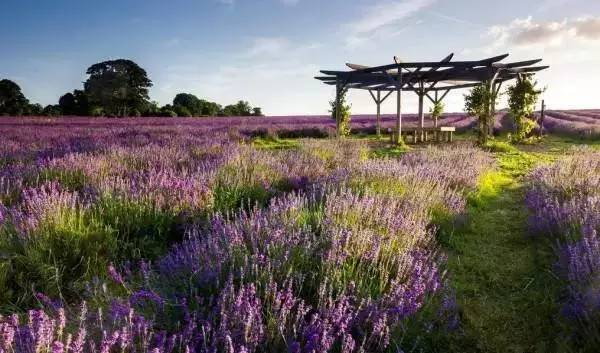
point(436, 112)
point(481, 102)
point(343, 124)
point(522, 98)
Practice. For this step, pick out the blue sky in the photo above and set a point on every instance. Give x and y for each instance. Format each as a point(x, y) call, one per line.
point(268, 51)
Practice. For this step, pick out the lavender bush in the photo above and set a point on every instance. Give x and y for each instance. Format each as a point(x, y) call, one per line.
point(564, 200)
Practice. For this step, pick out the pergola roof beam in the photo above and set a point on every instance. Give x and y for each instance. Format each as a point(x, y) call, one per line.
point(471, 75)
point(516, 64)
point(407, 65)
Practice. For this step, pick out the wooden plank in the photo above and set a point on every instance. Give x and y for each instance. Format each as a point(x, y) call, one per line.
point(471, 76)
point(484, 62)
point(447, 128)
point(357, 66)
point(527, 69)
point(517, 63)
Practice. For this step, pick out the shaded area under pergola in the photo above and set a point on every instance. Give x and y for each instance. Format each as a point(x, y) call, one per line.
point(434, 80)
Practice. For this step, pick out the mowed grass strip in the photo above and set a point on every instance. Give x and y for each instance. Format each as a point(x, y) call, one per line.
point(506, 293)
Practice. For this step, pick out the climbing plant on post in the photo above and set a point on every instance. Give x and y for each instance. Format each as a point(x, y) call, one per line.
point(436, 111)
point(522, 98)
point(481, 102)
point(343, 119)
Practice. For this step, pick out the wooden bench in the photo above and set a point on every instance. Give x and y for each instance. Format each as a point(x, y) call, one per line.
point(440, 134)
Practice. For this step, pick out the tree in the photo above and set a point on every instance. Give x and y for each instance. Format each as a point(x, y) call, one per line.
point(12, 100)
point(436, 112)
point(229, 110)
point(67, 103)
point(75, 103)
point(480, 102)
point(243, 108)
point(343, 125)
point(168, 111)
point(522, 98)
point(182, 111)
point(151, 109)
point(257, 111)
point(210, 108)
point(52, 110)
point(190, 102)
point(34, 109)
point(117, 86)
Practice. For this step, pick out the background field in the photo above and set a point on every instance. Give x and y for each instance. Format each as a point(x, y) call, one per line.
point(575, 123)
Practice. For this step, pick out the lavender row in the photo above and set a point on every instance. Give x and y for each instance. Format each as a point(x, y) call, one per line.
point(564, 200)
point(571, 128)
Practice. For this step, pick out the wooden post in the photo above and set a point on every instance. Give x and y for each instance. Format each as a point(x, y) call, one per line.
point(337, 108)
point(421, 114)
point(378, 128)
point(542, 116)
point(399, 108)
point(495, 90)
point(436, 102)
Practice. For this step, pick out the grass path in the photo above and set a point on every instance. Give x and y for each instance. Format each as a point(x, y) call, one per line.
point(503, 286)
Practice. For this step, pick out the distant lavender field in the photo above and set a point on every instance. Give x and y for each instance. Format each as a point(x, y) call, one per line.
point(282, 124)
point(576, 123)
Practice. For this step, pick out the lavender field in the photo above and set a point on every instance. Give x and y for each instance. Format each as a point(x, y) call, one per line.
point(578, 123)
point(181, 235)
point(292, 176)
point(170, 237)
point(575, 123)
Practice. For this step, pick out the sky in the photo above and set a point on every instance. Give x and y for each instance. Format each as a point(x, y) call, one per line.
point(268, 51)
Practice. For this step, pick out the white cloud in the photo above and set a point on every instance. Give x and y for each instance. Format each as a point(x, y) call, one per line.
point(570, 46)
point(378, 18)
point(527, 32)
point(588, 28)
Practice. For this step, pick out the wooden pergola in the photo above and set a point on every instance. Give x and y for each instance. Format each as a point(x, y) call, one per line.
point(433, 80)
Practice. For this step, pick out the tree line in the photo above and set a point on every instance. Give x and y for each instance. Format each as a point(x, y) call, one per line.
point(116, 88)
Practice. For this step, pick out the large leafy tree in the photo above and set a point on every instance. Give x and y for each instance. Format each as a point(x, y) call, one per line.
point(189, 102)
point(241, 108)
point(119, 87)
point(210, 108)
point(257, 111)
point(186, 102)
point(12, 100)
